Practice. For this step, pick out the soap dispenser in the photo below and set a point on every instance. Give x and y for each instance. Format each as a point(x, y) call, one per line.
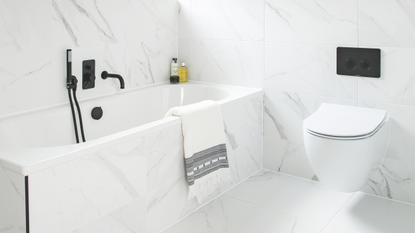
point(183, 73)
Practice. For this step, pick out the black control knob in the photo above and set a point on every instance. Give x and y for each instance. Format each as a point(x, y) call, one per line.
point(97, 113)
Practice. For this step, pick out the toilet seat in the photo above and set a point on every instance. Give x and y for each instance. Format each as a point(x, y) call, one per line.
point(341, 122)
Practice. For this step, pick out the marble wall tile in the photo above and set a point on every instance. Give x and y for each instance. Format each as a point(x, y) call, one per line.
point(390, 23)
point(227, 62)
point(24, 26)
point(12, 202)
point(396, 177)
point(232, 20)
point(165, 158)
point(307, 69)
point(74, 193)
point(320, 22)
point(154, 20)
point(24, 82)
point(397, 84)
point(185, 19)
point(130, 218)
point(90, 23)
point(151, 61)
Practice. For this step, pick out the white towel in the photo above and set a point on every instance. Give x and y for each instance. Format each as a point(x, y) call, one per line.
point(204, 147)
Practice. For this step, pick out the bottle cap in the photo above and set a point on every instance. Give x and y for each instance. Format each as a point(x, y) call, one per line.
point(183, 64)
point(174, 79)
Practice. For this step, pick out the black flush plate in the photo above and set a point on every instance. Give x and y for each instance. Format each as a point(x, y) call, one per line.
point(88, 74)
point(358, 62)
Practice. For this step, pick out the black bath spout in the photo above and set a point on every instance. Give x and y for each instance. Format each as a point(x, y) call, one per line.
point(106, 75)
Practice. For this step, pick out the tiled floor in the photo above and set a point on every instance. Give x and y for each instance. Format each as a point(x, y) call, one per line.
point(272, 202)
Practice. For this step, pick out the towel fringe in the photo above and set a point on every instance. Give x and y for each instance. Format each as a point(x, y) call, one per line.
point(205, 186)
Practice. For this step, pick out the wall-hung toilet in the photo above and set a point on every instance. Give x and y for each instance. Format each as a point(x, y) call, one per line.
point(345, 145)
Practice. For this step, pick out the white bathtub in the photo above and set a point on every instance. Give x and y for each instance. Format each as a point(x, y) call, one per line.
point(36, 140)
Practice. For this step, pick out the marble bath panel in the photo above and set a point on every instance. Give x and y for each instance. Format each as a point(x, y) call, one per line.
point(72, 194)
point(243, 122)
point(390, 23)
point(90, 23)
point(307, 69)
point(12, 202)
point(130, 218)
point(24, 26)
point(154, 20)
point(165, 158)
point(25, 82)
point(322, 22)
point(168, 204)
point(230, 20)
point(237, 63)
point(396, 84)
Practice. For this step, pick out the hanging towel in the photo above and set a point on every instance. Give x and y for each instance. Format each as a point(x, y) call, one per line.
point(204, 142)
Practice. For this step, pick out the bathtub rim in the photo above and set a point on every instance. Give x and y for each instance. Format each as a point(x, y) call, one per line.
point(26, 161)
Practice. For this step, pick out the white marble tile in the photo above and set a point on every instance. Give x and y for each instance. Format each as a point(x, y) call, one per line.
point(72, 194)
point(228, 215)
point(168, 204)
point(322, 22)
point(394, 180)
point(12, 202)
point(154, 20)
point(330, 229)
point(396, 84)
point(243, 122)
point(365, 213)
point(390, 23)
point(151, 61)
point(185, 19)
point(90, 23)
point(232, 19)
point(165, 158)
point(24, 26)
point(307, 69)
point(128, 219)
point(228, 62)
point(25, 82)
point(305, 199)
point(248, 158)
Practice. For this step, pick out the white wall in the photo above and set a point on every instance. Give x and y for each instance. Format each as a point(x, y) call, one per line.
point(134, 38)
point(289, 49)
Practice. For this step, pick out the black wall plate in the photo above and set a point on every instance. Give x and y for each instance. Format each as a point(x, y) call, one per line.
point(358, 62)
point(88, 74)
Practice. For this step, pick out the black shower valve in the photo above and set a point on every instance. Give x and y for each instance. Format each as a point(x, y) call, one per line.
point(88, 74)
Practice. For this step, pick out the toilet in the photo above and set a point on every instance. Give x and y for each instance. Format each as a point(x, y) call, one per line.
point(345, 145)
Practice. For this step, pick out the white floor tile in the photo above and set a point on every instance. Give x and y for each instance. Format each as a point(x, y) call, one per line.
point(228, 215)
point(298, 197)
point(367, 214)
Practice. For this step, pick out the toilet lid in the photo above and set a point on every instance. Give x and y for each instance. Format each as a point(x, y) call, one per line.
point(344, 121)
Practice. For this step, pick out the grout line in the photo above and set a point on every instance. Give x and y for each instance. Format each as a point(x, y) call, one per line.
point(337, 212)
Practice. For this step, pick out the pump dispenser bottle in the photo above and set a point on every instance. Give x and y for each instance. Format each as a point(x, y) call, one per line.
point(174, 71)
point(183, 73)
point(174, 67)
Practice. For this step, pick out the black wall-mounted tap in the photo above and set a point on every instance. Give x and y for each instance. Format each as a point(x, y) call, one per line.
point(106, 75)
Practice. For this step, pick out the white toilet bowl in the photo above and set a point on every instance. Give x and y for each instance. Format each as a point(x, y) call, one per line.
point(346, 145)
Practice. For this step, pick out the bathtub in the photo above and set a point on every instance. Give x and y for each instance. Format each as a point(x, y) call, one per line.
point(129, 174)
point(43, 138)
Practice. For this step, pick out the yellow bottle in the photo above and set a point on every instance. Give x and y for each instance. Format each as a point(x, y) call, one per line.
point(183, 74)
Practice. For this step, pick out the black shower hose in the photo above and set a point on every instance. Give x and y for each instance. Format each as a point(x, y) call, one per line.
point(79, 115)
